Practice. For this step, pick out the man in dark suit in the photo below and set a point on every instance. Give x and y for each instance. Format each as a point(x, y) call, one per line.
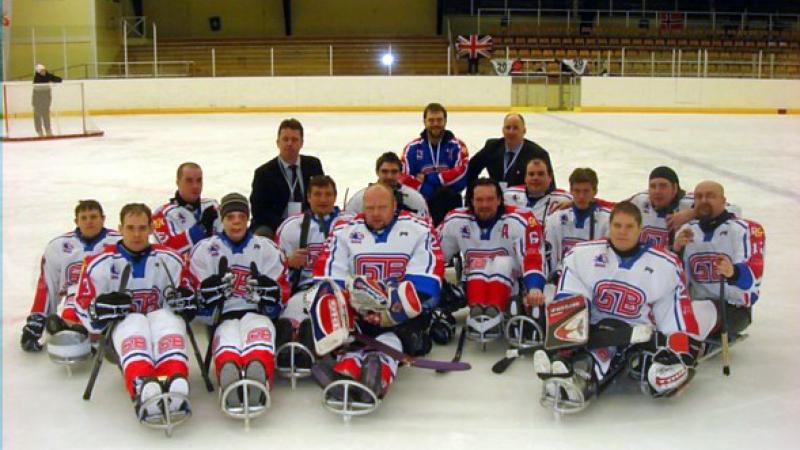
point(505, 158)
point(279, 186)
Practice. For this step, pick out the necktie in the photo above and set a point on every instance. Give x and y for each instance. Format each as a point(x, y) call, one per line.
point(507, 166)
point(297, 191)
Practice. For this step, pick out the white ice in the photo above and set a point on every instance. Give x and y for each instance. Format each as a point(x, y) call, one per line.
point(758, 406)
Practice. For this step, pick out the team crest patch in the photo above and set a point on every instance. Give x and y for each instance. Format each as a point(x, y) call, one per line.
point(114, 272)
point(182, 218)
point(600, 260)
point(564, 219)
point(257, 246)
point(420, 156)
point(213, 250)
point(465, 232)
point(67, 247)
point(356, 237)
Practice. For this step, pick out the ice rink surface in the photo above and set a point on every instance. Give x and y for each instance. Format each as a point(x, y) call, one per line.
point(758, 406)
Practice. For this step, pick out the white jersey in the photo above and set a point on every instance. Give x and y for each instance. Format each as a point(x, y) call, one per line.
point(541, 207)
point(568, 227)
point(152, 272)
point(61, 267)
point(269, 261)
point(646, 288)
point(515, 233)
point(177, 225)
point(743, 242)
point(654, 222)
point(288, 240)
point(412, 201)
point(405, 249)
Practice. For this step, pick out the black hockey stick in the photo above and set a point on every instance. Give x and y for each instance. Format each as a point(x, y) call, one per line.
point(190, 334)
point(726, 350)
point(217, 315)
point(101, 345)
point(422, 363)
point(511, 355)
point(459, 347)
point(600, 335)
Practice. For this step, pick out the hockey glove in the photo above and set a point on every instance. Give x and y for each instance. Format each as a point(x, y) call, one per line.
point(109, 307)
point(182, 301)
point(443, 326)
point(208, 218)
point(32, 332)
point(214, 290)
point(267, 294)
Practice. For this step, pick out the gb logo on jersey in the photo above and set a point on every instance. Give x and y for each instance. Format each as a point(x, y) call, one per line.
point(476, 260)
point(144, 300)
point(74, 272)
point(67, 247)
point(314, 251)
point(465, 233)
point(381, 266)
point(702, 267)
point(656, 237)
point(618, 298)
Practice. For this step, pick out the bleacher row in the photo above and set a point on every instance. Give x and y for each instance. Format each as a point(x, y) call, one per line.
point(428, 56)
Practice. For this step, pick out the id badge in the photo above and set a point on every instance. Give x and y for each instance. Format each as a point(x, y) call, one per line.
point(294, 208)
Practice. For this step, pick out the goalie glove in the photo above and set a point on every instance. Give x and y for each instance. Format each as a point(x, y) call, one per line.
point(264, 291)
point(672, 366)
point(393, 303)
point(214, 289)
point(109, 307)
point(182, 302)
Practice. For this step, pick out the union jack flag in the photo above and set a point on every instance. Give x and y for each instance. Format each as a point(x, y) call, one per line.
point(474, 46)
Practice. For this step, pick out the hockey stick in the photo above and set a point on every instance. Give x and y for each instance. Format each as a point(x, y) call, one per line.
point(459, 348)
point(222, 271)
point(511, 355)
point(600, 336)
point(422, 363)
point(190, 333)
point(101, 345)
point(726, 350)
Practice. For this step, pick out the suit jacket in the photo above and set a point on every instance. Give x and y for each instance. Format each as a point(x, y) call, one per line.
point(492, 158)
point(271, 193)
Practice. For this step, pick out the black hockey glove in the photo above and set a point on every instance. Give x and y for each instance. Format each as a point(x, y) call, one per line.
point(443, 327)
point(266, 292)
point(32, 332)
point(109, 307)
point(182, 302)
point(207, 220)
point(213, 290)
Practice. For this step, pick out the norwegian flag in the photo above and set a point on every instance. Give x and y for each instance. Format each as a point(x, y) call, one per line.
point(474, 46)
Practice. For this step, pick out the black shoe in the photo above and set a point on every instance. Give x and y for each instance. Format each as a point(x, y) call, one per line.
point(371, 370)
point(284, 332)
point(324, 375)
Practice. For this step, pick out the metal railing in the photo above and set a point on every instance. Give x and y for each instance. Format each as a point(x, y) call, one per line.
point(571, 19)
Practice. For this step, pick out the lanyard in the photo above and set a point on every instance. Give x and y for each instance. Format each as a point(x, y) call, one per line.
point(436, 160)
point(510, 164)
point(292, 184)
